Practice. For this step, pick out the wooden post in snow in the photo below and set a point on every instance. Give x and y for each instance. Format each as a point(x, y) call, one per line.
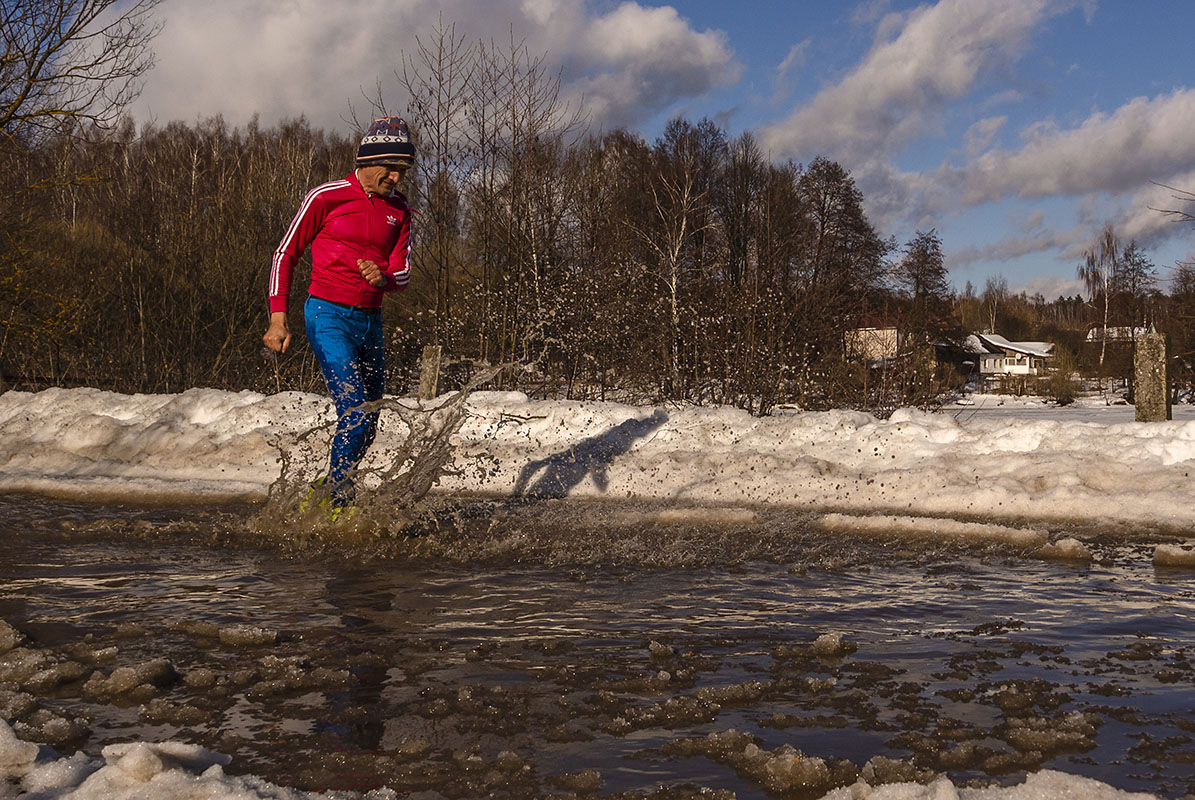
point(429, 372)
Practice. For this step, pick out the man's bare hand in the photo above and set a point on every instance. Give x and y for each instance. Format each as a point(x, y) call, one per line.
point(277, 336)
point(372, 273)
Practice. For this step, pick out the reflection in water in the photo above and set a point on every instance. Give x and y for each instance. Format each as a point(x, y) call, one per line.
point(545, 648)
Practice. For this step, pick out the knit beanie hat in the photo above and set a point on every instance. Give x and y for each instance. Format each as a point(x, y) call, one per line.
point(386, 142)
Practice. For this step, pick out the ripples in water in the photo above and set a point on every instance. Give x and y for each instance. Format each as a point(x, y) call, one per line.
point(529, 649)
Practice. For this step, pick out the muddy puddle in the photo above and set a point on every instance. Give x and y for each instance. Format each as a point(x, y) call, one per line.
point(563, 650)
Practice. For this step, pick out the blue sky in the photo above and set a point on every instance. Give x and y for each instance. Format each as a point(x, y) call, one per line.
point(1016, 128)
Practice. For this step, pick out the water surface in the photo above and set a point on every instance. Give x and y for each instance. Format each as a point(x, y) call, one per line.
point(525, 650)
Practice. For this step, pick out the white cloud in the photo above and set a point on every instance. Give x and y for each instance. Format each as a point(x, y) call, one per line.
point(312, 58)
point(920, 62)
point(1052, 287)
point(1144, 217)
point(1145, 139)
point(1110, 163)
point(794, 59)
point(1020, 244)
point(870, 12)
point(979, 136)
point(636, 62)
point(783, 77)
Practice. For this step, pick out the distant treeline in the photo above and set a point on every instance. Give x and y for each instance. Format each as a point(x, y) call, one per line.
point(691, 268)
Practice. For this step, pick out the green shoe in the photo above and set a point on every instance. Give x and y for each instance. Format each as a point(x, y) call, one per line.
point(342, 513)
point(316, 488)
point(318, 500)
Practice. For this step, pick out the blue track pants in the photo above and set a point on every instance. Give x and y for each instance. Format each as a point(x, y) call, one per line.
point(348, 343)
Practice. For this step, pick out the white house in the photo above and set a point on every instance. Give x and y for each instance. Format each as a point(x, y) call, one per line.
point(998, 356)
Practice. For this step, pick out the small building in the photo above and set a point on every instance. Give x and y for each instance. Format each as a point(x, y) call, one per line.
point(876, 346)
point(999, 357)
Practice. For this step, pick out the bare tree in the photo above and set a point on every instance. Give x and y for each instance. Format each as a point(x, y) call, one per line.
point(71, 64)
point(995, 294)
point(66, 66)
point(438, 80)
point(685, 160)
point(1098, 273)
point(518, 128)
point(1135, 286)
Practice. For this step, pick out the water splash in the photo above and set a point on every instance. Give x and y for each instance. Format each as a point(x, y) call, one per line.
point(414, 448)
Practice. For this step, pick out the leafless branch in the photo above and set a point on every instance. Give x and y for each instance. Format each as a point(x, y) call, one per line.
point(71, 64)
point(1181, 195)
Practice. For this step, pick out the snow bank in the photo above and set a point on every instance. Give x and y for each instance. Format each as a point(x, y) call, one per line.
point(1024, 465)
point(1044, 785)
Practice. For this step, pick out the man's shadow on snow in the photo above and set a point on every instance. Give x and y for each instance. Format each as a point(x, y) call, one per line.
point(560, 472)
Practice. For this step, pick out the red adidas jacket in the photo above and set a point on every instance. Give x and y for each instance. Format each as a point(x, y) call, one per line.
point(343, 223)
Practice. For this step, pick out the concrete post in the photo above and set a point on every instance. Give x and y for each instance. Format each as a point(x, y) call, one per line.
point(1150, 386)
point(429, 372)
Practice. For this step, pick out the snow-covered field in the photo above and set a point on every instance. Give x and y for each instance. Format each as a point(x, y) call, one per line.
point(989, 467)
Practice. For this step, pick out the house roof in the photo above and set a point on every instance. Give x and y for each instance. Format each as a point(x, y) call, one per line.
point(972, 344)
point(993, 340)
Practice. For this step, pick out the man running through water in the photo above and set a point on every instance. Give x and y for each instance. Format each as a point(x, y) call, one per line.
point(359, 230)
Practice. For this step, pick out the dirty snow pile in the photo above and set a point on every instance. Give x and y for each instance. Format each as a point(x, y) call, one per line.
point(137, 771)
point(992, 461)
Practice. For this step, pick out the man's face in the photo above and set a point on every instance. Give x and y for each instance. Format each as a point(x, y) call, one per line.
point(381, 178)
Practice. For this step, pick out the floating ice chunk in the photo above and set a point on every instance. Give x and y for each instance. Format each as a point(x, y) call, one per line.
point(932, 527)
point(37, 670)
point(15, 704)
point(20, 664)
point(659, 651)
point(200, 678)
point(197, 629)
point(10, 637)
point(1068, 549)
point(1170, 555)
point(832, 644)
point(587, 781)
point(790, 768)
point(819, 685)
point(87, 654)
point(247, 635)
point(881, 769)
point(1073, 731)
point(159, 711)
point(47, 727)
point(157, 673)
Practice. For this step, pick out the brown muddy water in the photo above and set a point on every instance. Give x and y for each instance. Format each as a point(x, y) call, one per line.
point(567, 650)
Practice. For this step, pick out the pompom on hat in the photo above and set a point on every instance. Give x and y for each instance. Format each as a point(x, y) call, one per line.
point(386, 142)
